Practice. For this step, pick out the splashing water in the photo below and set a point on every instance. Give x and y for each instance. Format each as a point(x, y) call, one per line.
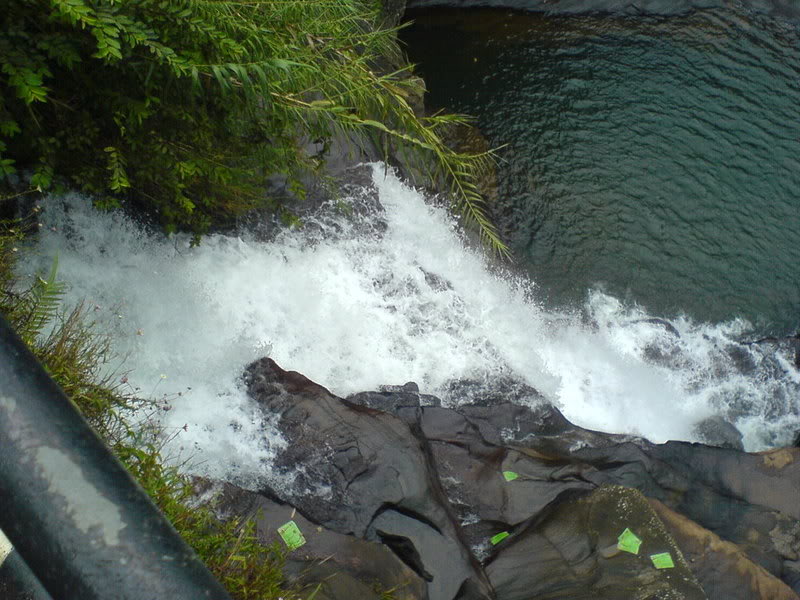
point(353, 305)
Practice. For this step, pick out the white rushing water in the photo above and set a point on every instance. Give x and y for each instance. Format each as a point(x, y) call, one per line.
point(354, 307)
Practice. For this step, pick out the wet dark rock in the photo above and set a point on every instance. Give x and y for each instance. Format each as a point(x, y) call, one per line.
point(790, 343)
point(658, 354)
point(490, 390)
point(347, 567)
point(395, 398)
point(371, 463)
point(433, 485)
point(748, 499)
point(742, 358)
point(424, 549)
point(436, 282)
point(717, 431)
point(404, 401)
point(721, 567)
point(663, 323)
point(350, 205)
point(392, 12)
point(566, 542)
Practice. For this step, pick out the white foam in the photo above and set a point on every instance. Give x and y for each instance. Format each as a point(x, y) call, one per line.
point(353, 310)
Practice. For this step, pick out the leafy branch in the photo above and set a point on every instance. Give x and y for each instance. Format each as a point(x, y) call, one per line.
point(187, 107)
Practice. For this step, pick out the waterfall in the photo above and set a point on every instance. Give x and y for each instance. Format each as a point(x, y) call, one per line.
point(359, 298)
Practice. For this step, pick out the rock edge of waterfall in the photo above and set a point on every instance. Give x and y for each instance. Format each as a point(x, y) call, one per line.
point(501, 497)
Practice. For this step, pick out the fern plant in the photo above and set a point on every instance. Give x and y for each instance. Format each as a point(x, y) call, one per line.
point(41, 305)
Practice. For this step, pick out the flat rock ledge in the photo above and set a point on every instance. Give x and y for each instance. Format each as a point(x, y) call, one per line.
point(503, 498)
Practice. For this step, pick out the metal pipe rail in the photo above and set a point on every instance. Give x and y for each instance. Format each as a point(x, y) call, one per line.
point(69, 507)
point(17, 581)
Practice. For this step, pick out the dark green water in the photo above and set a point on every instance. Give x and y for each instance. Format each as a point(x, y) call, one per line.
point(655, 158)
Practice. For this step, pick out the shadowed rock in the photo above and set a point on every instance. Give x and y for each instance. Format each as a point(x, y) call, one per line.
point(374, 467)
point(721, 567)
point(717, 431)
point(345, 566)
point(434, 484)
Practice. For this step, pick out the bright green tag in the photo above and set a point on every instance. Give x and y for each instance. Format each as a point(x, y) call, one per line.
point(292, 536)
point(496, 539)
point(662, 561)
point(628, 542)
point(510, 475)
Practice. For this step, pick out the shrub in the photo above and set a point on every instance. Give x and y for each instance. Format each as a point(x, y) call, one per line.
point(187, 106)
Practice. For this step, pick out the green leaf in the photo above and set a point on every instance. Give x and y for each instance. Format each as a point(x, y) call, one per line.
point(628, 542)
point(662, 560)
point(499, 537)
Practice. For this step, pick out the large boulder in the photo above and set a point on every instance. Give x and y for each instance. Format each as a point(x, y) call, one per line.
point(570, 551)
point(437, 485)
point(379, 481)
point(749, 500)
point(721, 567)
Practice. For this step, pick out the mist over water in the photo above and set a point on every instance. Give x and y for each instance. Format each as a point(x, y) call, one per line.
point(353, 305)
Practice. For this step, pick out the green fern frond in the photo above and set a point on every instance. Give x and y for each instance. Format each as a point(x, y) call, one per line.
point(43, 304)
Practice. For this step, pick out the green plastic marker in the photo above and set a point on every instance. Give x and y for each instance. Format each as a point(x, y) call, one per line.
point(628, 542)
point(662, 561)
point(510, 475)
point(496, 539)
point(291, 535)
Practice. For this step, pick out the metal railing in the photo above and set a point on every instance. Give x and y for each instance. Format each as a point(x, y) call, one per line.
point(71, 510)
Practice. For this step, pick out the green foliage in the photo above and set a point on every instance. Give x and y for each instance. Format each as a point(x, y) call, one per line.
point(10, 236)
point(187, 106)
point(75, 354)
point(66, 343)
point(230, 549)
point(42, 305)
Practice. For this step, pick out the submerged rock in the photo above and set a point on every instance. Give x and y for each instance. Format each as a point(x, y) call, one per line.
point(717, 431)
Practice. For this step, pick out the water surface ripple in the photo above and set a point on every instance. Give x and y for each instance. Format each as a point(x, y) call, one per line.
point(654, 158)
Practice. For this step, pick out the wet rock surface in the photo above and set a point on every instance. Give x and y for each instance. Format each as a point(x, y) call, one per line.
point(344, 565)
point(375, 471)
point(565, 541)
point(717, 431)
point(507, 499)
point(721, 567)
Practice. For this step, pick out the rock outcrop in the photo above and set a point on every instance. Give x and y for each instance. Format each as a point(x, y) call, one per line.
point(509, 500)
